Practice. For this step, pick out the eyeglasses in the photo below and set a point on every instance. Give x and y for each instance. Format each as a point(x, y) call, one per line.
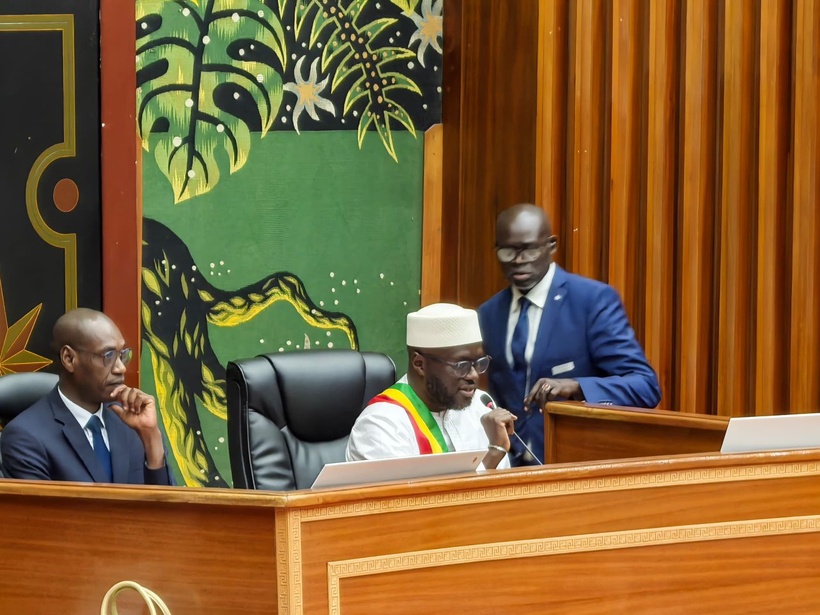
point(462, 368)
point(525, 255)
point(109, 357)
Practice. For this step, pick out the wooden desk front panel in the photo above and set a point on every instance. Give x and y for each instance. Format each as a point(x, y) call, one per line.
point(60, 555)
point(345, 552)
point(694, 578)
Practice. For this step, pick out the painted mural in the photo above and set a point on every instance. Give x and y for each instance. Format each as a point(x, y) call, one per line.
point(282, 190)
point(50, 245)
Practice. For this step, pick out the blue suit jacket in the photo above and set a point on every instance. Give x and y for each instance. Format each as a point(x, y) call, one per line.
point(585, 333)
point(45, 442)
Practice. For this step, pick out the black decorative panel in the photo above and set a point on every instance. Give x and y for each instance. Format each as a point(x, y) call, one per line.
point(49, 172)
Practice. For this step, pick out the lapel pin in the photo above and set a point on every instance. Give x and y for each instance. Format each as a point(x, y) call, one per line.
point(557, 297)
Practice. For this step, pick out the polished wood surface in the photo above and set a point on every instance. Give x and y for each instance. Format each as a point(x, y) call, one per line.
point(431, 251)
point(695, 529)
point(64, 545)
point(738, 196)
point(696, 235)
point(804, 384)
point(552, 111)
point(450, 546)
point(661, 176)
point(665, 579)
point(677, 146)
point(627, 154)
point(774, 195)
point(587, 121)
point(575, 432)
point(489, 110)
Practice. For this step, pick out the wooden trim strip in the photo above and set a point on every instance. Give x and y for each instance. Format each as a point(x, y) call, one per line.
point(626, 159)
point(431, 241)
point(662, 160)
point(774, 258)
point(121, 213)
point(588, 140)
point(696, 222)
point(551, 119)
point(804, 385)
point(737, 208)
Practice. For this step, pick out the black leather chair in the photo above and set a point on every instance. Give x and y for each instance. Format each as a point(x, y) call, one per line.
point(291, 413)
point(19, 391)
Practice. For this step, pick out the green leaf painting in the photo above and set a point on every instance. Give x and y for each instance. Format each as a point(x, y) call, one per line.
point(212, 73)
point(196, 64)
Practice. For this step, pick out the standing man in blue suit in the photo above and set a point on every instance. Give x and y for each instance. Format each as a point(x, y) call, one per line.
point(91, 427)
point(555, 335)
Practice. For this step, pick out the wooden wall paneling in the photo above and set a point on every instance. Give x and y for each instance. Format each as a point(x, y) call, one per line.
point(121, 210)
point(738, 208)
point(451, 118)
point(684, 133)
point(431, 249)
point(585, 239)
point(627, 158)
point(804, 383)
point(661, 177)
point(697, 202)
point(771, 359)
point(551, 120)
point(499, 58)
point(478, 187)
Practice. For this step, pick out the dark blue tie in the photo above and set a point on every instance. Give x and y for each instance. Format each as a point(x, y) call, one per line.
point(100, 449)
point(518, 347)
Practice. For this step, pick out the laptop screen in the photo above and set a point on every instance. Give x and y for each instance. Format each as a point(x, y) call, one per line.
point(750, 434)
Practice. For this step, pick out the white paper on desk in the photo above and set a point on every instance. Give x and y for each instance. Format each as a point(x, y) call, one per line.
point(397, 468)
point(750, 434)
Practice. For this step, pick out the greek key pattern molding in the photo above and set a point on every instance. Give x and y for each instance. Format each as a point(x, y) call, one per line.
point(289, 560)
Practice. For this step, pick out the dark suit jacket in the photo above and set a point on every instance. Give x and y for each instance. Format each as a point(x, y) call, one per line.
point(584, 335)
point(45, 442)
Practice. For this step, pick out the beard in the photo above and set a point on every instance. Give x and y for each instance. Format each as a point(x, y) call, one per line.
point(438, 391)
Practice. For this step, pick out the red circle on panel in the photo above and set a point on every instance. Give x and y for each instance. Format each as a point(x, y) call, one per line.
point(66, 195)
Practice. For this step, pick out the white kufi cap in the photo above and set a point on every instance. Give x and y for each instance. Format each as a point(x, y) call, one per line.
point(442, 325)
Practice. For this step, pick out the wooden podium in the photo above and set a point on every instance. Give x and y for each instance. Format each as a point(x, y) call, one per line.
point(689, 534)
point(585, 432)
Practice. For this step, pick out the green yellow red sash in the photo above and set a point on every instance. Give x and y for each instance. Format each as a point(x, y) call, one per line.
point(428, 435)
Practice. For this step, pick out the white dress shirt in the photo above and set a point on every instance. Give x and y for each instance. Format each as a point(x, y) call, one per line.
point(537, 297)
point(384, 430)
point(82, 415)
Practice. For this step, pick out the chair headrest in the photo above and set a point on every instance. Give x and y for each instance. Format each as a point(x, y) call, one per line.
point(321, 393)
point(19, 391)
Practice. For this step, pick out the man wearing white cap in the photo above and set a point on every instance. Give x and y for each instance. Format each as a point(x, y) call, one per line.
point(437, 406)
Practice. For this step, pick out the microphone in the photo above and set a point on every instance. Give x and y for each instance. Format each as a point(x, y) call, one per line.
point(488, 401)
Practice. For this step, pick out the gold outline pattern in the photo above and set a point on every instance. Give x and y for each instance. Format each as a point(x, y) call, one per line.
point(551, 488)
point(67, 149)
point(289, 563)
point(604, 541)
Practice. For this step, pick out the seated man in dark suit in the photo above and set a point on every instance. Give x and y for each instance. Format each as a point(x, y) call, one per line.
point(555, 335)
point(91, 427)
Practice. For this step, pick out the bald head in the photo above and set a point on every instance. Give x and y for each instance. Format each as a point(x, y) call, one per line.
point(74, 328)
point(523, 216)
point(524, 244)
